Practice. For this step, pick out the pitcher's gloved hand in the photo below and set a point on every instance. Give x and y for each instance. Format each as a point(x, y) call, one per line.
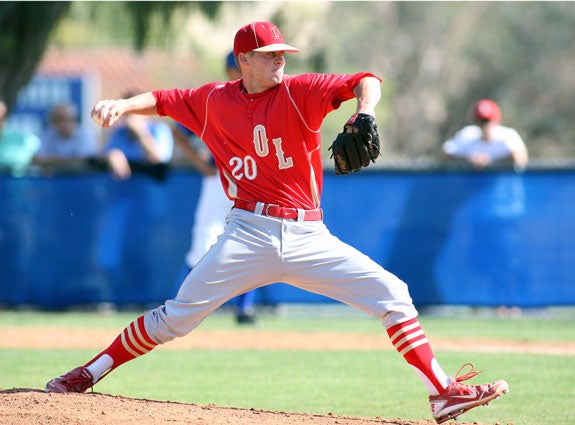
point(352, 151)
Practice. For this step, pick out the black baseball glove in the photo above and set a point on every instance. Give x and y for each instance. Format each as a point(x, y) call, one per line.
point(353, 151)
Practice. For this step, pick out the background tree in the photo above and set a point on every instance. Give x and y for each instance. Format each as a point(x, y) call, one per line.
point(24, 34)
point(26, 27)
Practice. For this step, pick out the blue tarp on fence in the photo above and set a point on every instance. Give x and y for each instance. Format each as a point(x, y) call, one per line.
point(456, 237)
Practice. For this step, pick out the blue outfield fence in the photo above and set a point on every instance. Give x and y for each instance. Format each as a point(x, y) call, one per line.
point(456, 237)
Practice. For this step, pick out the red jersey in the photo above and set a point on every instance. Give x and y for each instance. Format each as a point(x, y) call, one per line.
point(267, 146)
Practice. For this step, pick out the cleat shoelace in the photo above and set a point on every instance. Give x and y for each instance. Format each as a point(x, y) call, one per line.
point(467, 375)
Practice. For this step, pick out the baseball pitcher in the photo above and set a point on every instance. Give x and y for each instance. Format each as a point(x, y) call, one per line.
point(264, 133)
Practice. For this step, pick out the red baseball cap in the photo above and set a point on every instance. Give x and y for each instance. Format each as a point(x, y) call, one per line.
point(261, 37)
point(486, 109)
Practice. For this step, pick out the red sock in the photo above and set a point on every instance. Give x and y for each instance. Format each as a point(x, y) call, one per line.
point(131, 343)
point(410, 341)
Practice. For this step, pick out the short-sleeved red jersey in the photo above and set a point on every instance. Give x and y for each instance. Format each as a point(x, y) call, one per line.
point(267, 145)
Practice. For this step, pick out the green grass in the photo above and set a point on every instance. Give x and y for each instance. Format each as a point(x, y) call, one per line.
point(358, 383)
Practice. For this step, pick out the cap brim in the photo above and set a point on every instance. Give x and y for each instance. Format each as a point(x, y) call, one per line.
point(277, 48)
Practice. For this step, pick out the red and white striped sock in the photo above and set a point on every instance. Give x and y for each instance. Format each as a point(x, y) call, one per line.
point(410, 341)
point(131, 343)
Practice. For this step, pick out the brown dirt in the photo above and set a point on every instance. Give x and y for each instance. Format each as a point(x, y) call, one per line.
point(23, 406)
point(32, 407)
point(54, 337)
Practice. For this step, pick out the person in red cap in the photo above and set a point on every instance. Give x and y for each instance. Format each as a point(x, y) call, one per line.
point(264, 133)
point(487, 142)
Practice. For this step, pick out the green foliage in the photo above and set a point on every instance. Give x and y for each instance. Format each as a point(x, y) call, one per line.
point(26, 27)
point(144, 13)
point(440, 57)
point(436, 58)
point(24, 33)
point(140, 24)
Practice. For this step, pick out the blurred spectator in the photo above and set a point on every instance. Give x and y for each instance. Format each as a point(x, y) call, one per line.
point(497, 225)
point(213, 204)
point(139, 142)
point(138, 152)
point(66, 142)
point(487, 141)
point(17, 148)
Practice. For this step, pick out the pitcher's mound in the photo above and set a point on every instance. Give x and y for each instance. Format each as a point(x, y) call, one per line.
point(25, 406)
